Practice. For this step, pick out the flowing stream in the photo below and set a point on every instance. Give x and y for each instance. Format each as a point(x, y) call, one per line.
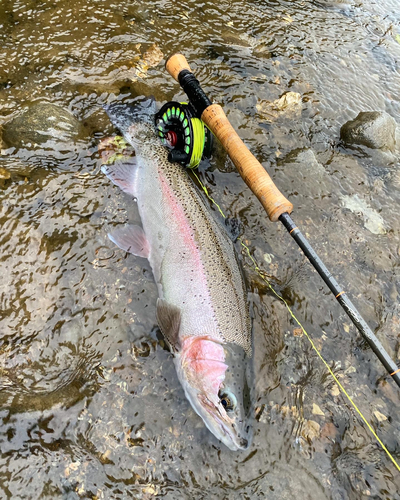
point(90, 405)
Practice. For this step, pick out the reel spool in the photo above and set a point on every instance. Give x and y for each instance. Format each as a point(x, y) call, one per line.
point(188, 139)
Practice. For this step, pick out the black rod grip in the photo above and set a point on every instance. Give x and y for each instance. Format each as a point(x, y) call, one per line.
point(193, 90)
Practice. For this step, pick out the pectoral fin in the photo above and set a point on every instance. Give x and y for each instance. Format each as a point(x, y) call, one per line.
point(123, 174)
point(169, 321)
point(131, 239)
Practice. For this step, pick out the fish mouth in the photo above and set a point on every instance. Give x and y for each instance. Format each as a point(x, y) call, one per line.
point(222, 426)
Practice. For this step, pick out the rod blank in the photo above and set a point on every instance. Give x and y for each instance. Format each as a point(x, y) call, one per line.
point(341, 297)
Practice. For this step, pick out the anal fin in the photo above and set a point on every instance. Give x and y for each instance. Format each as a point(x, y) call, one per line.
point(169, 321)
point(131, 239)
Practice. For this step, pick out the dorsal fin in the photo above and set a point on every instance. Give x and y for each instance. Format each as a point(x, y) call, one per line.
point(169, 321)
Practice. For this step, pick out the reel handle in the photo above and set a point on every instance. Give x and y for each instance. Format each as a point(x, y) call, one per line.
point(250, 169)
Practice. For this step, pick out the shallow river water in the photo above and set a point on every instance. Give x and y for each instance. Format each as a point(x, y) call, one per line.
point(90, 405)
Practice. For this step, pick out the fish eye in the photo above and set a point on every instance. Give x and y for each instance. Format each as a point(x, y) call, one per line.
point(228, 400)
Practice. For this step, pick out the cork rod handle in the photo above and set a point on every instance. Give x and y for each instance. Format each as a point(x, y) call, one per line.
point(175, 64)
point(250, 169)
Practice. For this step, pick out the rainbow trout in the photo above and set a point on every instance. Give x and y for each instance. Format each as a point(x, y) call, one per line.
point(202, 308)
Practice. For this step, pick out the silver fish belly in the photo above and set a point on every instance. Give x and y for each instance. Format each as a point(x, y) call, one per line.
point(202, 308)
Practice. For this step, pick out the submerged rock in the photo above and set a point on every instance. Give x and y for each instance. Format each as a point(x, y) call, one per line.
point(235, 39)
point(4, 174)
point(336, 4)
point(151, 58)
point(374, 129)
point(40, 123)
point(372, 220)
point(309, 164)
point(303, 173)
point(288, 105)
point(310, 430)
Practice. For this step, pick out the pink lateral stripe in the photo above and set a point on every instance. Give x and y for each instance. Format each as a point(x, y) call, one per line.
point(184, 227)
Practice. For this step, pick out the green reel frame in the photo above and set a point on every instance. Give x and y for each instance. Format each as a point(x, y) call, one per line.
point(185, 135)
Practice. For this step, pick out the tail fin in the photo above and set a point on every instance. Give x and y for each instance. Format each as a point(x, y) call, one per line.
point(123, 115)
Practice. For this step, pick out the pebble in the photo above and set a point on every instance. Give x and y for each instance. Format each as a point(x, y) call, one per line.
point(310, 430)
point(335, 391)
point(150, 490)
point(316, 410)
point(379, 416)
point(268, 258)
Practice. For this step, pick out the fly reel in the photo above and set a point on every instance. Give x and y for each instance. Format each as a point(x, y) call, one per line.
point(188, 139)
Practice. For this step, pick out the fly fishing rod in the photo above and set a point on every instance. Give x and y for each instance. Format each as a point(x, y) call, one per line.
point(273, 201)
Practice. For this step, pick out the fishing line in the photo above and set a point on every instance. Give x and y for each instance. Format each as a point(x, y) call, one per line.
point(260, 273)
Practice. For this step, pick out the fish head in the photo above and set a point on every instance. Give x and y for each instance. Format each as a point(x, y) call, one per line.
point(135, 121)
point(217, 379)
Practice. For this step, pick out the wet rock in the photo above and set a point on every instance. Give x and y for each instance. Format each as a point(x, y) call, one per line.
point(42, 122)
point(374, 129)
